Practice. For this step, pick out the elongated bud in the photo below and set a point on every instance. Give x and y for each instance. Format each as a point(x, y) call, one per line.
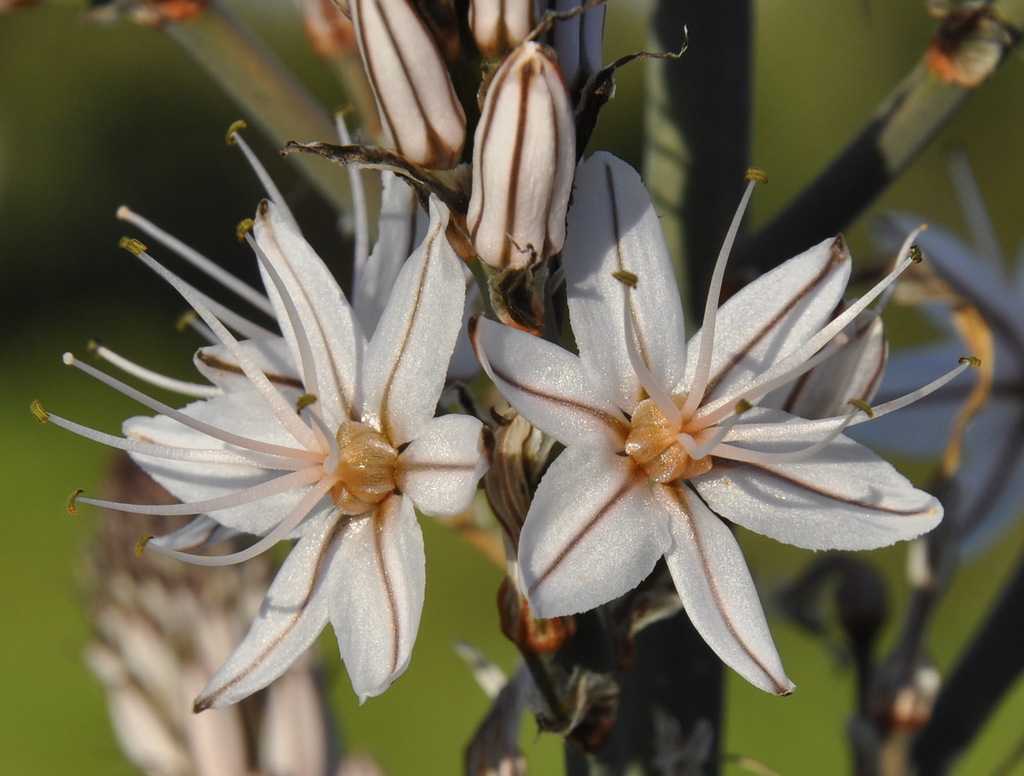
point(500, 25)
point(523, 162)
point(577, 41)
point(421, 115)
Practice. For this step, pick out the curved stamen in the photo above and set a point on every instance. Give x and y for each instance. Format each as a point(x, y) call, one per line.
point(155, 379)
point(902, 401)
point(707, 338)
point(280, 531)
point(658, 394)
point(361, 230)
point(196, 259)
point(235, 138)
point(307, 364)
point(280, 484)
point(333, 458)
point(695, 451)
point(188, 420)
point(734, 453)
point(277, 403)
point(186, 454)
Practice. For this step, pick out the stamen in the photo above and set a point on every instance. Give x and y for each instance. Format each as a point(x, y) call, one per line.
point(707, 338)
point(188, 420)
point(899, 403)
point(658, 394)
point(696, 451)
point(72, 501)
point(156, 379)
point(361, 247)
point(280, 531)
point(333, 458)
point(281, 409)
point(187, 454)
point(734, 453)
point(235, 138)
point(196, 259)
point(280, 484)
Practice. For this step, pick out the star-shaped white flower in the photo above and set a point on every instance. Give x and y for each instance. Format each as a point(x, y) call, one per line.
point(986, 495)
point(663, 441)
point(321, 436)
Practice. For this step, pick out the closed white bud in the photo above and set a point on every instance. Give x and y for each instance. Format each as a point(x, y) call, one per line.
point(523, 161)
point(418, 107)
point(499, 25)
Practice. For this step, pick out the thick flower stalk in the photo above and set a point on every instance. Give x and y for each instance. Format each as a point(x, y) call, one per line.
point(665, 444)
point(320, 435)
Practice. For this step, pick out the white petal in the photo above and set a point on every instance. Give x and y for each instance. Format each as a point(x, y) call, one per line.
point(402, 226)
point(771, 317)
point(546, 384)
point(440, 469)
point(593, 532)
point(845, 497)
point(716, 589)
point(197, 535)
point(292, 616)
point(377, 595)
point(243, 414)
point(408, 356)
point(272, 356)
point(325, 318)
point(613, 228)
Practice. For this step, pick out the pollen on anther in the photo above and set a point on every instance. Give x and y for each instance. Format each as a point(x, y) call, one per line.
point(132, 245)
point(626, 277)
point(972, 360)
point(238, 126)
point(304, 401)
point(244, 227)
point(743, 406)
point(754, 174)
point(140, 545)
point(916, 255)
point(863, 406)
point(185, 320)
point(72, 506)
point(37, 410)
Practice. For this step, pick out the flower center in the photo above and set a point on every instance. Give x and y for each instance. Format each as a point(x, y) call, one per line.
point(366, 467)
point(653, 443)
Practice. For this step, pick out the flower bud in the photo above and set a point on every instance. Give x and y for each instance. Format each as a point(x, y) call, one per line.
point(418, 107)
point(523, 162)
point(499, 25)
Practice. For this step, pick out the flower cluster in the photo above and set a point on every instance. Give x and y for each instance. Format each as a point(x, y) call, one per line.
point(326, 431)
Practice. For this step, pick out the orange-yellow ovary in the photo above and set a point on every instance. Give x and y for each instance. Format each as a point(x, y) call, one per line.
point(367, 467)
point(652, 443)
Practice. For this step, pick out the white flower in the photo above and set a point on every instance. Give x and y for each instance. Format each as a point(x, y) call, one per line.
point(662, 442)
point(321, 436)
point(986, 495)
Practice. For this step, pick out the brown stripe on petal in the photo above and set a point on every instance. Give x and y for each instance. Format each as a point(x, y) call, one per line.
point(723, 464)
point(838, 255)
point(331, 540)
point(637, 477)
point(380, 515)
point(680, 498)
point(211, 361)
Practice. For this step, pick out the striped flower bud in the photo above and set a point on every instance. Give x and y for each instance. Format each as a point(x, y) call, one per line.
point(418, 107)
point(523, 161)
point(499, 25)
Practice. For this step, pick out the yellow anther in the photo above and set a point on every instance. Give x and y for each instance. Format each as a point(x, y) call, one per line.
point(304, 401)
point(625, 277)
point(185, 320)
point(37, 409)
point(93, 345)
point(863, 406)
point(754, 174)
point(743, 406)
point(140, 545)
point(132, 245)
point(916, 255)
point(72, 506)
point(238, 126)
point(244, 227)
point(972, 360)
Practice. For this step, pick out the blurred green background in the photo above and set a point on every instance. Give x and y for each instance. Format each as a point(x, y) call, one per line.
point(93, 117)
